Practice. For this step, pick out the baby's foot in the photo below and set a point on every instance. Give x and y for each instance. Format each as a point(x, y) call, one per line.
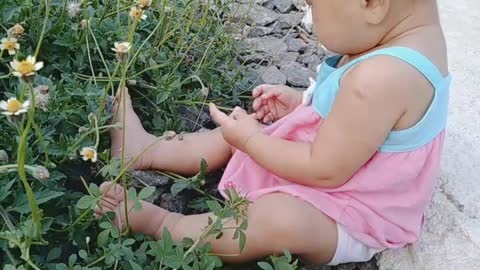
point(148, 220)
point(136, 138)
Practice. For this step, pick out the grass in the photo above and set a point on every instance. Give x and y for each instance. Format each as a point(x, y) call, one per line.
point(180, 55)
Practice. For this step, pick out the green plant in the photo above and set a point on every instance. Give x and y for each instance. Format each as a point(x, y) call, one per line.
point(58, 113)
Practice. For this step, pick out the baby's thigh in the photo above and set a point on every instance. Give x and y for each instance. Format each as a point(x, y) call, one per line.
point(290, 222)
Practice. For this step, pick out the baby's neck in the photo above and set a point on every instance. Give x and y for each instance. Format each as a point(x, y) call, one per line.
point(424, 14)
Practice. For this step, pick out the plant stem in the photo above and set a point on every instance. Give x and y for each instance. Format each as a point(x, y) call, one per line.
point(44, 28)
point(21, 169)
point(90, 57)
point(97, 261)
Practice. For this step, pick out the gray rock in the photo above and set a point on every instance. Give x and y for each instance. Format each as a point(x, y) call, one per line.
point(297, 75)
point(371, 265)
point(269, 45)
point(271, 75)
point(177, 204)
point(193, 119)
point(270, 4)
point(283, 6)
point(314, 63)
point(253, 14)
point(289, 20)
point(259, 31)
point(299, 4)
point(254, 58)
point(260, 2)
point(312, 56)
point(277, 29)
point(296, 45)
point(150, 178)
point(285, 59)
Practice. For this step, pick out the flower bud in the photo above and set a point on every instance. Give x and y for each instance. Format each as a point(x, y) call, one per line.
point(40, 173)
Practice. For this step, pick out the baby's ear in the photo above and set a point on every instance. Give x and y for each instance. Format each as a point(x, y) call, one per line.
point(375, 10)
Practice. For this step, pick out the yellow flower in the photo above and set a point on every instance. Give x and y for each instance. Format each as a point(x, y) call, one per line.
point(9, 44)
point(136, 14)
point(16, 31)
point(14, 107)
point(122, 47)
point(26, 67)
point(144, 3)
point(89, 153)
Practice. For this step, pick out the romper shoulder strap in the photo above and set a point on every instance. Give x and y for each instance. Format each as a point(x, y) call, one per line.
point(432, 123)
point(411, 57)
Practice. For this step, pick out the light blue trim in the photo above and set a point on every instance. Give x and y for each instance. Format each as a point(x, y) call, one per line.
point(429, 127)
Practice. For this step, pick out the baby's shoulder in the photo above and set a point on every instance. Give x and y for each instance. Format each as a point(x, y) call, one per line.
point(385, 75)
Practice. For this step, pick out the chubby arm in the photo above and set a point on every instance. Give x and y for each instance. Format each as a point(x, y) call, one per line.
point(367, 107)
point(373, 97)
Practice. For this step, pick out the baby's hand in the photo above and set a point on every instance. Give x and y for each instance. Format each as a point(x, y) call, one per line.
point(238, 128)
point(272, 102)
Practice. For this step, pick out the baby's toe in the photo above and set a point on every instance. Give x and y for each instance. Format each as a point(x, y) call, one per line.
point(113, 191)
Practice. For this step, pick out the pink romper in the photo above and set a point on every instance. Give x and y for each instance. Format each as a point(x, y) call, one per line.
point(382, 204)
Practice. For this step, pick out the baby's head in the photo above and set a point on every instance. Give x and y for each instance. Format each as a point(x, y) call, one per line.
point(356, 26)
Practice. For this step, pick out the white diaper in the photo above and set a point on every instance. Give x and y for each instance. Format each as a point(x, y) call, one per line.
point(351, 250)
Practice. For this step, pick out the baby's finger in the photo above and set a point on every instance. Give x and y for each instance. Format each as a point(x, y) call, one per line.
point(256, 104)
point(260, 90)
point(262, 111)
point(272, 108)
point(268, 118)
point(218, 116)
point(268, 95)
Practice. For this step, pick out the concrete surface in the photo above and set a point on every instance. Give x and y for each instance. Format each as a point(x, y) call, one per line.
point(451, 239)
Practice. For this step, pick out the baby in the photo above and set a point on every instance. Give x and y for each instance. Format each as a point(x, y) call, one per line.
point(340, 175)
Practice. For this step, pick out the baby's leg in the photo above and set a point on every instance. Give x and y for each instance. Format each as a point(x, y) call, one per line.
point(178, 155)
point(275, 222)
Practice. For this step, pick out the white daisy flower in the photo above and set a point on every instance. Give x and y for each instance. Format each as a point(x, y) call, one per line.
point(26, 68)
point(16, 31)
point(144, 3)
point(137, 14)
point(14, 107)
point(73, 8)
point(9, 44)
point(121, 47)
point(89, 153)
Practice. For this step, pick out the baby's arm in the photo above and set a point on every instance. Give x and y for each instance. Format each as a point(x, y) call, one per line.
point(370, 102)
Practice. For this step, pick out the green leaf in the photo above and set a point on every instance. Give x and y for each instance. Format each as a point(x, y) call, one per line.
point(203, 169)
point(129, 242)
point(72, 260)
point(83, 254)
point(95, 190)
point(242, 240)
point(103, 238)
point(87, 202)
point(105, 225)
point(132, 194)
point(215, 207)
point(179, 186)
point(5, 190)
point(146, 193)
point(41, 196)
point(287, 254)
point(53, 254)
point(265, 266)
point(135, 266)
point(137, 206)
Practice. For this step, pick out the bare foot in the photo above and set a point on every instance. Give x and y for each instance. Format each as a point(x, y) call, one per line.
point(136, 138)
point(149, 220)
